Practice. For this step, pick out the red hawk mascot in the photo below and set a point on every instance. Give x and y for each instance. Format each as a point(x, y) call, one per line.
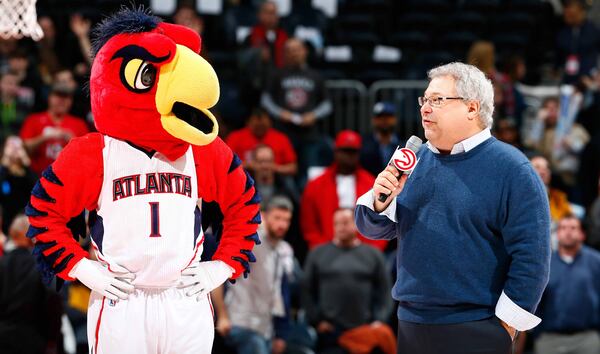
point(155, 158)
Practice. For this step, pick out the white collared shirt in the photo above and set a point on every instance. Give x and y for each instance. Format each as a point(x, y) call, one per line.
point(467, 144)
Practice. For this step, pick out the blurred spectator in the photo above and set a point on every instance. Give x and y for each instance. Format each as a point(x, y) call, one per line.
point(187, 16)
point(296, 98)
point(593, 222)
point(590, 109)
point(482, 54)
point(379, 146)
point(63, 49)
point(263, 53)
point(20, 64)
point(578, 43)
point(542, 135)
point(516, 69)
point(266, 180)
point(589, 170)
point(47, 52)
point(258, 130)
point(81, 101)
point(338, 187)
point(559, 205)
point(7, 46)
point(16, 180)
point(3, 237)
point(346, 286)
point(255, 315)
point(570, 305)
point(506, 130)
point(14, 104)
point(28, 80)
point(30, 314)
point(81, 26)
point(268, 35)
point(45, 134)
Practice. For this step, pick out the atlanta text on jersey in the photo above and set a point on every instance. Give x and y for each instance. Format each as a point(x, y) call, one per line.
point(158, 182)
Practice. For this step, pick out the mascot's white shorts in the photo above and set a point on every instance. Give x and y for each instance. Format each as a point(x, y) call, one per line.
point(151, 321)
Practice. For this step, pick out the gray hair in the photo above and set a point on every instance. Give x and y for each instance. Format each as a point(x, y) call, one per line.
point(279, 202)
point(471, 84)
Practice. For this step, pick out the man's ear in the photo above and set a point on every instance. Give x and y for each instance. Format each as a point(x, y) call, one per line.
point(473, 107)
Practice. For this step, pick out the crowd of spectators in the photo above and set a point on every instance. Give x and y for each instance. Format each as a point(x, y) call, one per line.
point(318, 285)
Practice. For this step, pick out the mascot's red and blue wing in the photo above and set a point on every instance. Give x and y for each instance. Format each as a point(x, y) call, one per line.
point(148, 87)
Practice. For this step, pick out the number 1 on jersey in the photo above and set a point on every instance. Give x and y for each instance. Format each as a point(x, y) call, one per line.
point(154, 220)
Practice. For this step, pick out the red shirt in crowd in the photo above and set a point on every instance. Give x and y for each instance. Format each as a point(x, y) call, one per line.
point(242, 142)
point(47, 152)
point(259, 36)
point(320, 201)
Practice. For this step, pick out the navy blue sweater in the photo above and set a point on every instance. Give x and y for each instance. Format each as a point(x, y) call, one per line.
point(470, 226)
point(571, 301)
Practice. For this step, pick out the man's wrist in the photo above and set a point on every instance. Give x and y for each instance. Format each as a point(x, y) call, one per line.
point(511, 330)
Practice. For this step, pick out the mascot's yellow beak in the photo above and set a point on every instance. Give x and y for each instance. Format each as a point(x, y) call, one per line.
point(187, 87)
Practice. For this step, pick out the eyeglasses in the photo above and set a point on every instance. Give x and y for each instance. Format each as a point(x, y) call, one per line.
point(436, 101)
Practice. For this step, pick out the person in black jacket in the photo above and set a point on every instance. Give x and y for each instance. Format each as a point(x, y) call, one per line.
point(30, 313)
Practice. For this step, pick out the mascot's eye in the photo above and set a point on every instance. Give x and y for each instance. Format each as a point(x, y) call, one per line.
point(139, 75)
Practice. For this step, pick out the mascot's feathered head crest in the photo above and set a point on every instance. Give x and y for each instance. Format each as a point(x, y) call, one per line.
point(149, 86)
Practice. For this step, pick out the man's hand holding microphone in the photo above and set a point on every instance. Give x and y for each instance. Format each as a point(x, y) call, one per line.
point(390, 182)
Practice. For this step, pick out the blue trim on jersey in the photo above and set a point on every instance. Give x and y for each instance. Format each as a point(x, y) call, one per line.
point(244, 264)
point(54, 256)
point(254, 237)
point(197, 224)
point(249, 181)
point(49, 175)
point(249, 254)
point(43, 266)
point(255, 199)
point(40, 193)
point(96, 229)
point(30, 210)
point(34, 231)
point(256, 219)
point(235, 163)
point(63, 264)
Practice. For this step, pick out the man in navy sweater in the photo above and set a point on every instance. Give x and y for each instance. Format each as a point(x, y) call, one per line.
point(472, 223)
point(571, 303)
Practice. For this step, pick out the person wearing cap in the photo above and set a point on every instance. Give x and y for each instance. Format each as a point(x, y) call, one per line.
point(379, 146)
point(338, 187)
point(253, 315)
point(45, 134)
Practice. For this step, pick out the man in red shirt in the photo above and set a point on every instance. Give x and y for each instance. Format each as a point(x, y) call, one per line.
point(268, 35)
point(258, 130)
point(338, 187)
point(45, 134)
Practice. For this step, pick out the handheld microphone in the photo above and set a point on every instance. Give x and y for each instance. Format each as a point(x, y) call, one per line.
point(404, 159)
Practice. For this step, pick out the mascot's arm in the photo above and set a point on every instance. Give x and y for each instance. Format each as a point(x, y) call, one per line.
point(222, 179)
point(72, 183)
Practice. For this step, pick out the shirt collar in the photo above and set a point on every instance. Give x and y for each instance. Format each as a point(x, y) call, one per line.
point(467, 144)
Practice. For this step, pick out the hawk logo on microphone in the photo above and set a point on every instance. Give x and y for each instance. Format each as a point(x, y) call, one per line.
point(404, 159)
